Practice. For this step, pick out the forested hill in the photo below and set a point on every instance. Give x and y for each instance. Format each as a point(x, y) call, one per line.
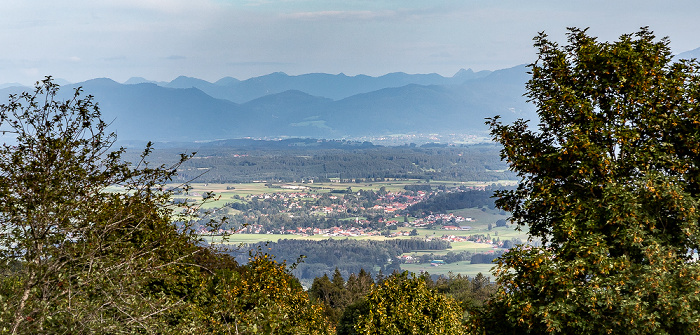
point(314, 105)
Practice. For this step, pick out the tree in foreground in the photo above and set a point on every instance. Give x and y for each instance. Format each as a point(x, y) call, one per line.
point(402, 304)
point(76, 256)
point(610, 183)
point(88, 242)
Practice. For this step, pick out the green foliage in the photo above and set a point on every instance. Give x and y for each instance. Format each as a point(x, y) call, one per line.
point(610, 184)
point(76, 257)
point(469, 293)
point(332, 294)
point(336, 296)
point(351, 314)
point(403, 304)
point(261, 297)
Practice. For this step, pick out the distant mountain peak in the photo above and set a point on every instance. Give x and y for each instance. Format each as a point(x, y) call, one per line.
point(6, 85)
point(695, 53)
point(142, 80)
point(463, 72)
point(137, 80)
point(227, 81)
point(61, 81)
point(187, 82)
point(101, 81)
point(469, 74)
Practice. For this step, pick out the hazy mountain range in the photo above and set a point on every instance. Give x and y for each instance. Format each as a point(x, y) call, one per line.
point(311, 105)
point(315, 105)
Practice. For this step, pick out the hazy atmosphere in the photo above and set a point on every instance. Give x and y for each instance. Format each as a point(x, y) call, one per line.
point(327, 167)
point(211, 39)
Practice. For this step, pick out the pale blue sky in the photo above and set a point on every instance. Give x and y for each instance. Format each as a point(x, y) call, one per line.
point(210, 39)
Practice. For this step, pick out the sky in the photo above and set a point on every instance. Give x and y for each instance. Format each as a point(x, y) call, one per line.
point(210, 39)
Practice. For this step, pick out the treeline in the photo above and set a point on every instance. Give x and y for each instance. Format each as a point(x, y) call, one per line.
point(485, 258)
point(348, 256)
point(235, 163)
point(413, 244)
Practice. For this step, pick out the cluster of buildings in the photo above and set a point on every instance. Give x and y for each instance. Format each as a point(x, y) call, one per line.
point(391, 206)
point(449, 221)
point(388, 203)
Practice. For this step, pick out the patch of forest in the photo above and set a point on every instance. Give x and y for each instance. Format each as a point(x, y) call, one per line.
point(271, 161)
point(444, 202)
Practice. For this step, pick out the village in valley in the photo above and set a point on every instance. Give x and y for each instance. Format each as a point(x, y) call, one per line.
point(412, 210)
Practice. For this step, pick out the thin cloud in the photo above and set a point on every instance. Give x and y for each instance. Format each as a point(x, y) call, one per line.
point(341, 14)
point(414, 13)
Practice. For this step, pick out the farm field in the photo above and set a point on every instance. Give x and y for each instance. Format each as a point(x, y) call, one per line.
point(229, 190)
